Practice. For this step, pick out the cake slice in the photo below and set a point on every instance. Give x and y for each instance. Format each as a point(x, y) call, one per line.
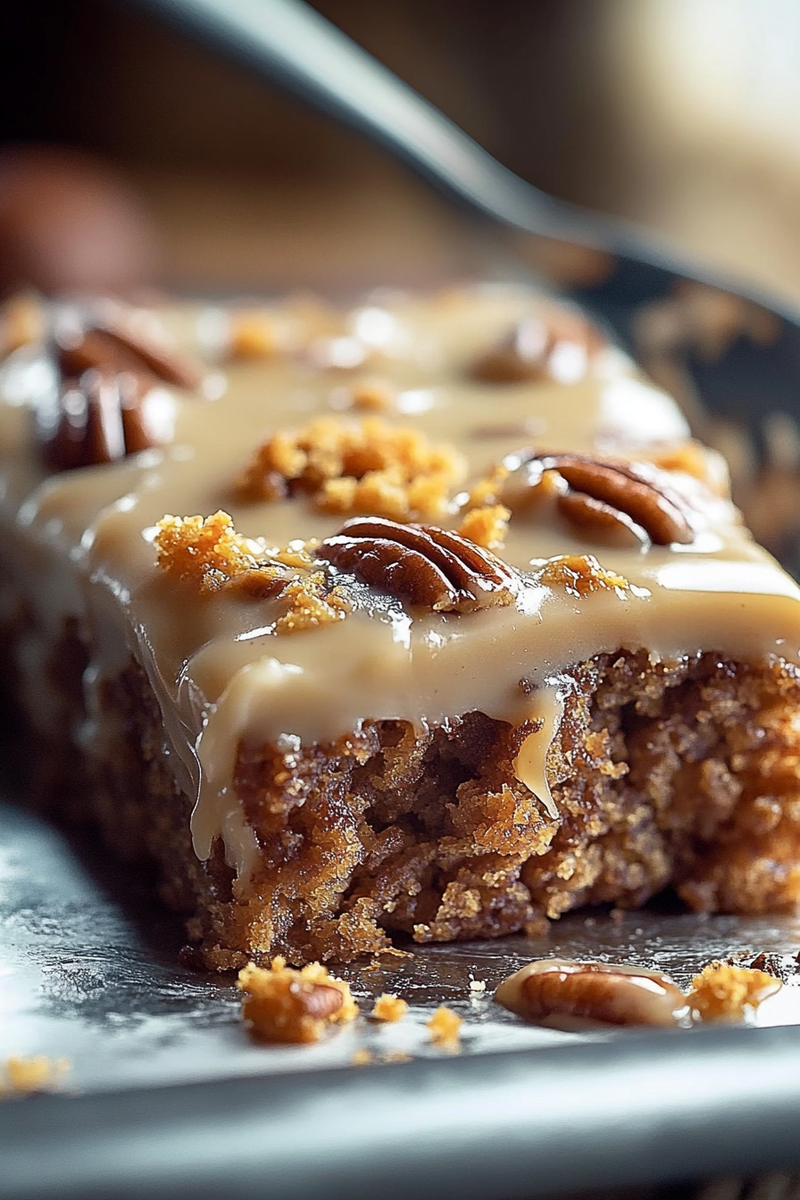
point(423, 619)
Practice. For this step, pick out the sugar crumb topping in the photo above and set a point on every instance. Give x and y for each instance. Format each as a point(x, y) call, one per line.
point(283, 1004)
point(487, 491)
point(211, 555)
point(487, 526)
point(309, 606)
point(366, 395)
point(580, 575)
point(206, 551)
point(253, 334)
point(355, 466)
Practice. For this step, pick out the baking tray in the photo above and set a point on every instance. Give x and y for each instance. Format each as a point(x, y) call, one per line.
point(167, 1094)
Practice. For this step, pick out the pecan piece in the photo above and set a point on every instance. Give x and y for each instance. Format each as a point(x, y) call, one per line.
point(114, 345)
point(557, 343)
point(285, 1005)
point(570, 995)
point(420, 564)
point(95, 419)
point(608, 498)
point(104, 402)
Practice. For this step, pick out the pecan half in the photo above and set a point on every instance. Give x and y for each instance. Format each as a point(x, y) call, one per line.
point(113, 344)
point(556, 343)
point(606, 498)
point(420, 564)
point(95, 419)
point(568, 995)
point(104, 403)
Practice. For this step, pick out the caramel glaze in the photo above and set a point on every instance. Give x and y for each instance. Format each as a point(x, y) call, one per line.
point(80, 543)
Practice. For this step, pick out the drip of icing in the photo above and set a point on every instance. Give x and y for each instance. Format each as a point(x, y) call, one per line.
point(546, 711)
point(218, 811)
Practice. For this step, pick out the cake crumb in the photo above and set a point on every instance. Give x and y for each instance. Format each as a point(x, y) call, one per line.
point(362, 1057)
point(445, 1027)
point(726, 993)
point(286, 1005)
point(346, 466)
point(24, 1076)
point(309, 607)
point(389, 1007)
point(487, 526)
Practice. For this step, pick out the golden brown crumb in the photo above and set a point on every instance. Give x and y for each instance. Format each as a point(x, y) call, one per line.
point(368, 395)
point(693, 458)
point(580, 575)
point(365, 1058)
point(487, 491)
point(286, 1005)
point(689, 457)
point(22, 1076)
point(205, 551)
point(389, 1008)
point(309, 607)
point(212, 555)
point(362, 1057)
point(363, 466)
point(723, 992)
point(252, 335)
point(445, 1027)
point(487, 526)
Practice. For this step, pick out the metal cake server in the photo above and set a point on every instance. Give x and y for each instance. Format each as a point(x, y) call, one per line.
point(745, 365)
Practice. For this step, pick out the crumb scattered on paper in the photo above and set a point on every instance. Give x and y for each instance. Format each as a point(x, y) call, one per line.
point(362, 1057)
point(445, 1027)
point(389, 1007)
point(286, 1005)
point(24, 1076)
point(723, 992)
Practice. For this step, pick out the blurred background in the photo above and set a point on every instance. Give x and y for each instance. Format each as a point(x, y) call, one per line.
point(684, 114)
